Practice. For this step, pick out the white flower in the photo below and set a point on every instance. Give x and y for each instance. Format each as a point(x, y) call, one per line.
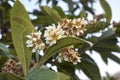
point(29, 43)
point(35, 42)
point(52, 34)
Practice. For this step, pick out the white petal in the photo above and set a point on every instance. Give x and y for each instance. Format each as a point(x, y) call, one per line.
point(29, 36)
point(34, 50)
point(74, 63)
point(34, 39)
point(79, 59)
point(28, 42)
point(29, 45)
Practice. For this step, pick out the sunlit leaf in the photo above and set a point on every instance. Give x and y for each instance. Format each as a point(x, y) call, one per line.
point(51, 13)
point(21, 25)
point(107, 10)
point(61, 44)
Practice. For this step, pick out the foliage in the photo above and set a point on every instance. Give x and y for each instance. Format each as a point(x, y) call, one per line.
point(33, 66)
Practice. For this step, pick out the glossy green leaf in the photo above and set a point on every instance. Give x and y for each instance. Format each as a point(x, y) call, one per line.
point(61, 44)
point(9, 76)
point(89, 67)
point(51, 13)
point(106, 7)
point(42, 74)
point(21, 25)
point(63, 76)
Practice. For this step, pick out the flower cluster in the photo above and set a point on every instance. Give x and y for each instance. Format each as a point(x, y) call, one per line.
point(74, 28)
point(52, 34)
point(69, 55)
point(14, 67)
point(35, 42)
point(65, 28)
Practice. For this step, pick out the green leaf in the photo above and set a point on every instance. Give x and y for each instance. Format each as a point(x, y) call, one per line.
point(42, 20)
point(109, 41)
point(51, 13)
point(107, 10)
point(63, 76)
point(106, 53)
point(60, 11)
point(42, 74)
point(82, 14)
point(117, 26)
point(9, 76)
point(89, 67)
point(103, 53)
point(106, 44)
point(61, 44)
point(5, 50)
point(27, 25)
point(3, 59)
point(91, 28)
point(107, 34)
point(21, 25)
point(68, 69)
point(114, 58)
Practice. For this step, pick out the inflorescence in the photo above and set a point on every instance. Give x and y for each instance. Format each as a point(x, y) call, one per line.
point(65, 28)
